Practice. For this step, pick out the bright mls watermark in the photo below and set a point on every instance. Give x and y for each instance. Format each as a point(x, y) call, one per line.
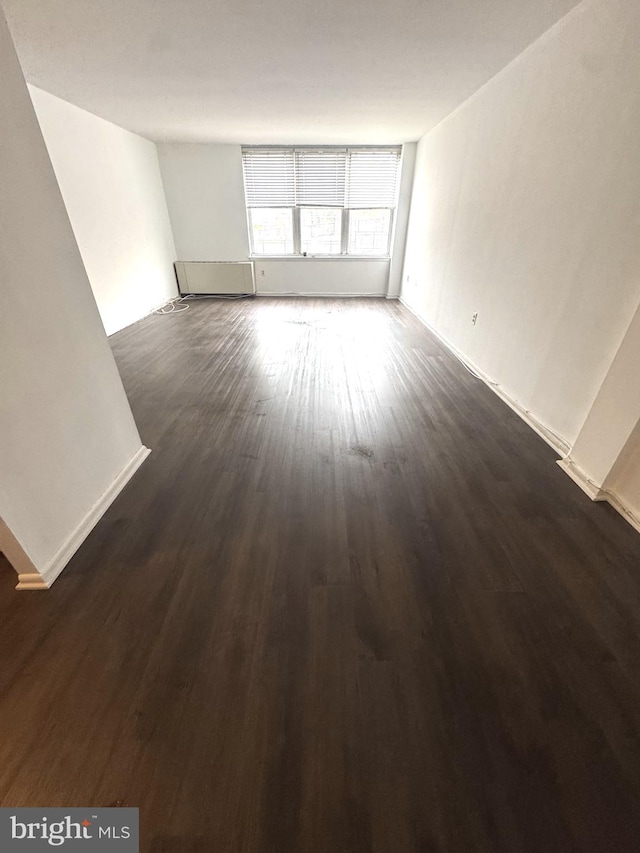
point(26, 830)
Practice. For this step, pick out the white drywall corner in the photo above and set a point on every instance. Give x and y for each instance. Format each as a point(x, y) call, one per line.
point(624, 481)
point(111, 186)
point(66, 429)
point(402, 219)
point(525, 212)
point(615, 413)
point(205, 197)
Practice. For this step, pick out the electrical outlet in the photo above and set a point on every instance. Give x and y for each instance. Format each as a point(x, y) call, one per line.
point(474, 318)
point(262, 272)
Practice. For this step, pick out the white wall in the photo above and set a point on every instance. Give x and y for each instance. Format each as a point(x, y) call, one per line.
point(111, 185)
point(614, 414)
point(318, 277)
point(401, 224)
point(625, 480)
point(205, 197)
point(526, 209)
point(66, 429)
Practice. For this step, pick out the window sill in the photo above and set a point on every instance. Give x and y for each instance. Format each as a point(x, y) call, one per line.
point(385, 258)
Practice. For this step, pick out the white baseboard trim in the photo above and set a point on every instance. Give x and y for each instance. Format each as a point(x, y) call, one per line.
point(15, 553)
point(44, 578)
point(316, 295)
point(579, 477)
point(599, 493)
point(558, 443)
point(148, 313)
point(593, 490)
point(32, 581)
point(620, 506)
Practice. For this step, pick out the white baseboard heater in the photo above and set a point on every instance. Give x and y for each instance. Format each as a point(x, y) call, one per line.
point(215, 277)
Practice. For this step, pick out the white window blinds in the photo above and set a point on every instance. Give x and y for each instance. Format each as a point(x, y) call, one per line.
point(321, 177)
point(269, 177)
point(372, 178)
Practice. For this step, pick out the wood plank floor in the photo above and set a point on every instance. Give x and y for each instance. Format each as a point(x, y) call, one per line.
point(348, 605)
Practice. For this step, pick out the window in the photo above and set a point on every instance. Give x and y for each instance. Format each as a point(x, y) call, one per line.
point(369, 231)
point(272, 230)
point(320, 201)
point(321, 230)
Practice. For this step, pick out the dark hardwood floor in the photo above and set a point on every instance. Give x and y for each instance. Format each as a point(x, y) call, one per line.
point(348, 605)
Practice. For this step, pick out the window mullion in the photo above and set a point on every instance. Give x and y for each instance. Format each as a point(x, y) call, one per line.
point(392, 224)
point(296, 231)
point(344, 247)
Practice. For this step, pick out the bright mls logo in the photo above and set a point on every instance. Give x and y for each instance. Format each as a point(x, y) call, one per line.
point(70, 829)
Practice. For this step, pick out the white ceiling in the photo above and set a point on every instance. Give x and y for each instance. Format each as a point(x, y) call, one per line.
point(280, 71)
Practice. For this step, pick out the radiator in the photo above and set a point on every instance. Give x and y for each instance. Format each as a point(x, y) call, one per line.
point(215, 277)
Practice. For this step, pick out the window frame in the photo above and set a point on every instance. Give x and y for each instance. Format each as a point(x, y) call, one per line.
point(344, 253)
point(298, 213)
point(344, 236)
point(392, 212)
point(250, 228)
